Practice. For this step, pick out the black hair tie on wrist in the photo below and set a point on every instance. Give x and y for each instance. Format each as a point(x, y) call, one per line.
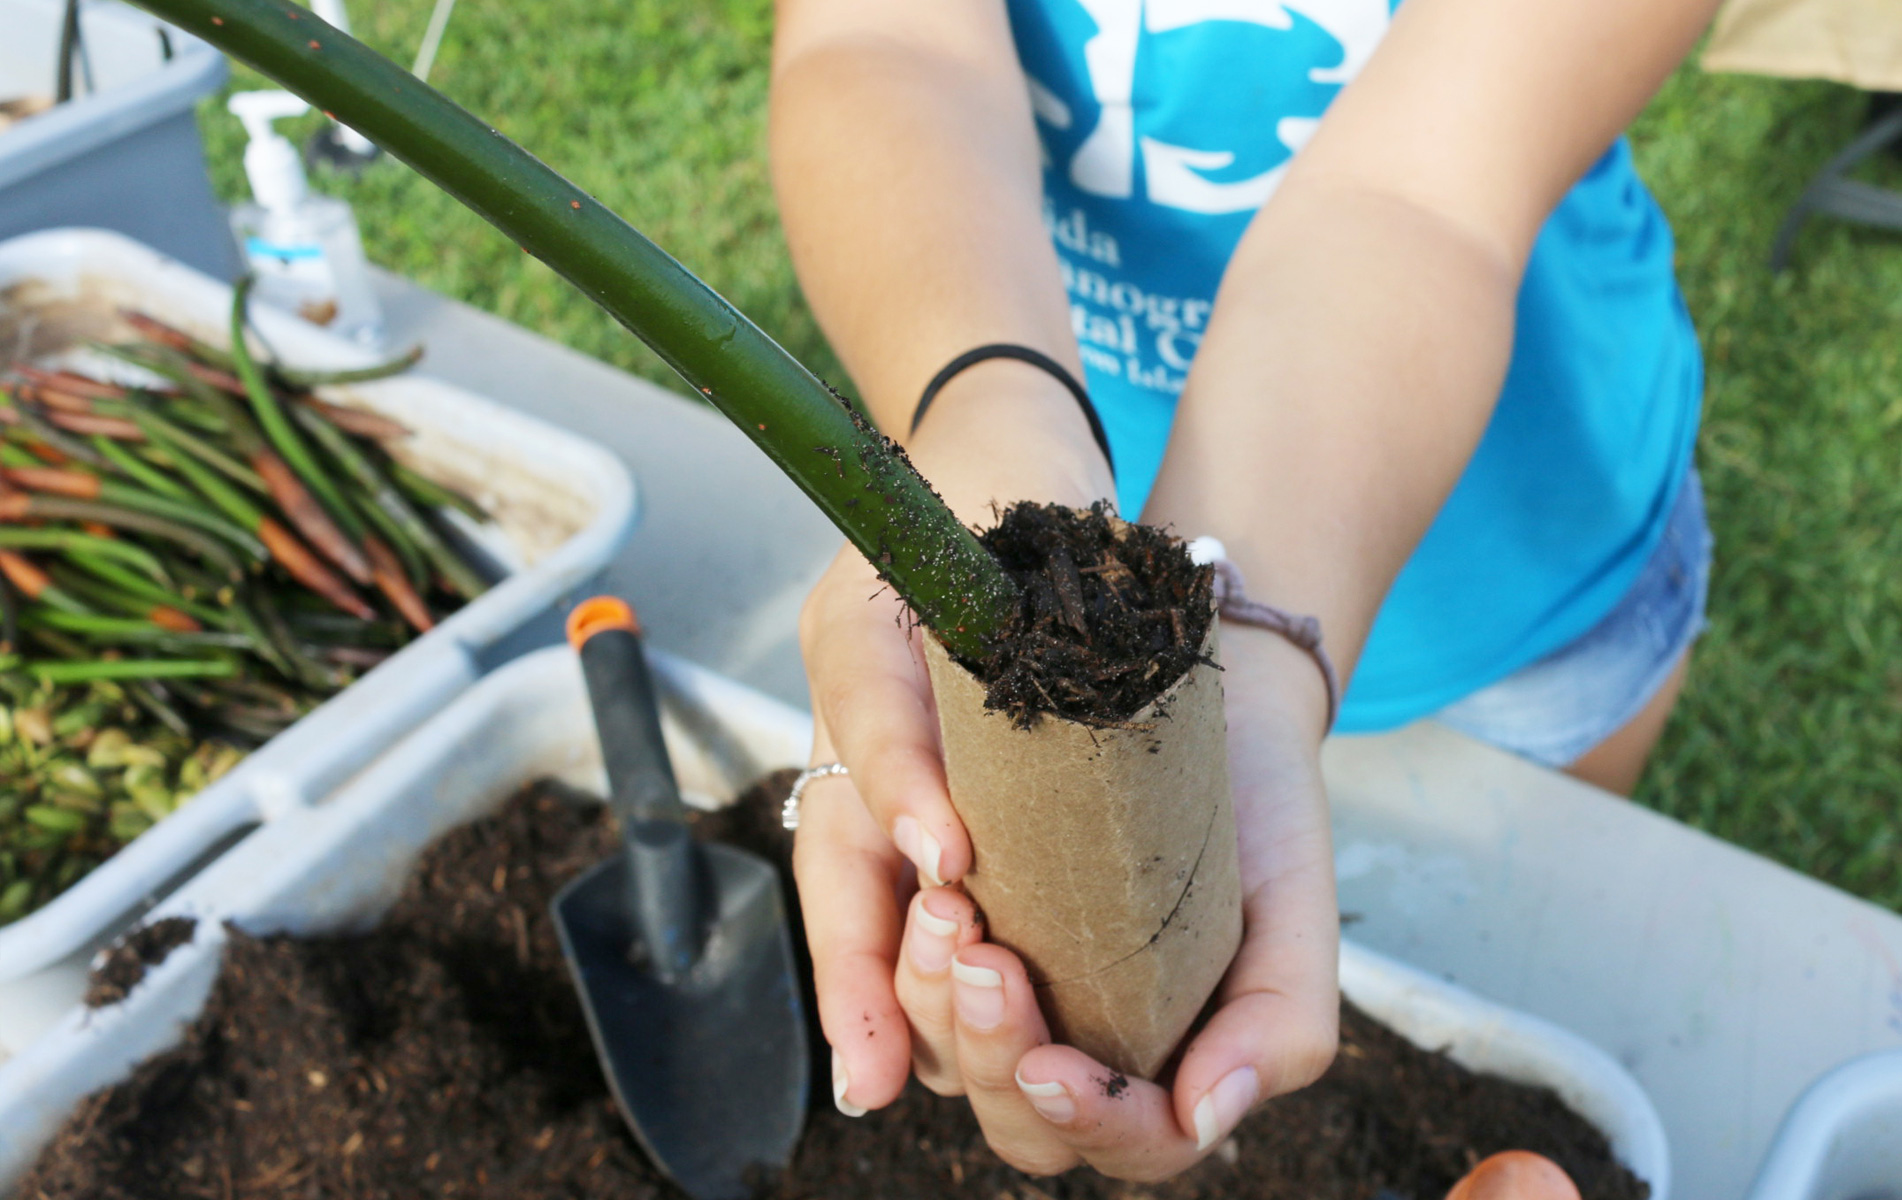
point(1035, 358)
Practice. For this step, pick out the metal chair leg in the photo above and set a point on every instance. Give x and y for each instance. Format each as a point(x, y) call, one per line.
point(1833, 195)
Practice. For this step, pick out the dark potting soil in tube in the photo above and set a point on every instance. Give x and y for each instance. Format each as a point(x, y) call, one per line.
point(444, 1054)
point(1109, 615)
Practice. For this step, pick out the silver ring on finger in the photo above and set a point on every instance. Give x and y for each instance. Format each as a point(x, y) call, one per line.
point(789, 812)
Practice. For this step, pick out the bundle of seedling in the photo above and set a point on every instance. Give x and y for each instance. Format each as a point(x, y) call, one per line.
point(195, 551)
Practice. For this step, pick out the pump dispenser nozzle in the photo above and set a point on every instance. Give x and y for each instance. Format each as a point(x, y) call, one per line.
point(270, 161)
point(303, 246)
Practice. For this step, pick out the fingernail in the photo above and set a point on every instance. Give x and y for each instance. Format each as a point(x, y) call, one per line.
point(978, 995)
point(1051, 1100)
point(1224, 1105)
point(933, 941)
point(840, 1082)
point(920, 847)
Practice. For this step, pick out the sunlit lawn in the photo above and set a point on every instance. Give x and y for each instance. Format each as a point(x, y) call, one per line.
point(1789, 740)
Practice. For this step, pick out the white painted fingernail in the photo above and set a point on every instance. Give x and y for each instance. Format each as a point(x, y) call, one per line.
point(982, 977)
point(840, 1082)
point(920, 847)
point(933, 941)
point(1051, 1100)
point(1223, 1106)
point(936, 924)
point(978, 996)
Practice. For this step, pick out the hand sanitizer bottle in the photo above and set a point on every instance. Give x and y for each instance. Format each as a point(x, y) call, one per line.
point(303, 247)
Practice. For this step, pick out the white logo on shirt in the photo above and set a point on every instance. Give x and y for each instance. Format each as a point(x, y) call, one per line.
point(1105, 163)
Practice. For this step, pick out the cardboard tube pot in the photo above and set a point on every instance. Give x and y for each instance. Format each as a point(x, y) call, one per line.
point(1105, 858)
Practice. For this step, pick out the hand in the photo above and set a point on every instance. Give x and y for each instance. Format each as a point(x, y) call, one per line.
point(869, 684)
point(1001, 429)
point(961, 1013)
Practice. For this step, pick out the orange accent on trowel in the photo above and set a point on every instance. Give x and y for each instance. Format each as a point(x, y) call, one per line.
point(598, 614)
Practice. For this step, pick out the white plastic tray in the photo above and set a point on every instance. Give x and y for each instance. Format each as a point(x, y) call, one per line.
point(1842, 1139)
point(562, 506)
point(1490, 1038)
point(339, 866)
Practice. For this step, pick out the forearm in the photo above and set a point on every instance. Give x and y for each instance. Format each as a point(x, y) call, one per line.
point(1351, 364)
point(909, 185)
point(1364, 326)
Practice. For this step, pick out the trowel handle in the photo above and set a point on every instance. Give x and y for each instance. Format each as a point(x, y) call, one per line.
point(665, 891)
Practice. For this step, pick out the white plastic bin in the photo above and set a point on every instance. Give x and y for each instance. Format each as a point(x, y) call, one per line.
point(123, 154)
point(1842, 1139)
point(563, 508)
point(1490, 1038)
point(337, 867)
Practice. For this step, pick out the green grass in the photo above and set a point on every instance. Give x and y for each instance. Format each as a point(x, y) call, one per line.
point(1789, 738)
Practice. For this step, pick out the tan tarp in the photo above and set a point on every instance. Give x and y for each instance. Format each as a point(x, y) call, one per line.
point(1857, 42)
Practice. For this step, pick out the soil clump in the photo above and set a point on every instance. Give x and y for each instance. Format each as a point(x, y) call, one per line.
point(445, 1054)
point(1109, 615)
point(128, 959)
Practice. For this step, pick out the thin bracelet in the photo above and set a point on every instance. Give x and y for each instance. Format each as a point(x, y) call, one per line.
point(1231, 600)
point(789, 811)
point(1035, 358)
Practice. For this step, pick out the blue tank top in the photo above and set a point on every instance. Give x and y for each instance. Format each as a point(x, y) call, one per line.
point(1166, 123)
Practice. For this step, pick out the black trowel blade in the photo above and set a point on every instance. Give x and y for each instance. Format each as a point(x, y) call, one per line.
point(711, 1072)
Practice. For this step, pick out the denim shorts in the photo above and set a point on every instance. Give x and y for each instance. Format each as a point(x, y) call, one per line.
point(1559, 707)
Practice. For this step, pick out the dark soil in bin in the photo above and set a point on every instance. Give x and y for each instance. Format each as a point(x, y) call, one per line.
point(445, 1054)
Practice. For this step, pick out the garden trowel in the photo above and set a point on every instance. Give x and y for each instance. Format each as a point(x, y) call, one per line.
point(680, 951)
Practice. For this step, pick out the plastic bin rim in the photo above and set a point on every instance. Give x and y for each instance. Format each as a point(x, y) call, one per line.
point(1793, 1166)
point(81, 126)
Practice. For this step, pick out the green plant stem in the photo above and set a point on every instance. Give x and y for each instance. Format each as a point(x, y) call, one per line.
point(209, 485)
point(142, 409)
point(152, 699)
point(32, 421)
point(135, 631)
point(277, 426)
point(54, 598)
point(296, 378)
point(134, 584)
point(149, 420)
point(141, 471)
point(430, 494)
point(269, 625)
point(404, 525)
point(190, 443)
point(133, 668)
point(72, 541)
point(267, 647)
point(62, 508)
point(183, 513)
point(9, 619)
point(867, 489)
